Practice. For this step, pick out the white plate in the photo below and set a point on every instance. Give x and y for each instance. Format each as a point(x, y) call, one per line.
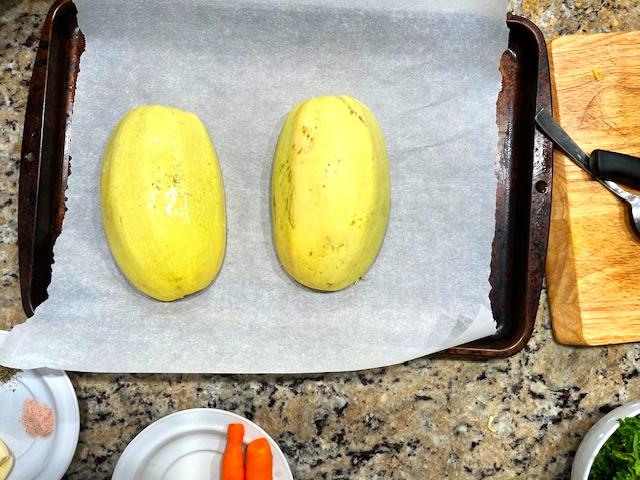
point(39, 458)
point(189, 445)
point(597, 436)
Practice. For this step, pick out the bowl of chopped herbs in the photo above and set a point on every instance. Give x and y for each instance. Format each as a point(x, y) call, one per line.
point(611, 448)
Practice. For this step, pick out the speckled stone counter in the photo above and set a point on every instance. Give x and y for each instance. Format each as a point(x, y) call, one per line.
point(520, 417)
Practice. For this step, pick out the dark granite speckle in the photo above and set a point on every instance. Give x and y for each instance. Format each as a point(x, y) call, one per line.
point(522, 417)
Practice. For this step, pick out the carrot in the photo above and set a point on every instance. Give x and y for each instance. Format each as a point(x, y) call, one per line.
point(259, 460)
point(232, 461)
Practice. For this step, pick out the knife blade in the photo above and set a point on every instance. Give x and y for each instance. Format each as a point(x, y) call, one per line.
point(561, 138)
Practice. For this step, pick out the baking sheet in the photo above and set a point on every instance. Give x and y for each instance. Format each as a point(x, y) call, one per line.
point(429, 73)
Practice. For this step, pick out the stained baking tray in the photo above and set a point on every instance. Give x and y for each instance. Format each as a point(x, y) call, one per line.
point(523, 170)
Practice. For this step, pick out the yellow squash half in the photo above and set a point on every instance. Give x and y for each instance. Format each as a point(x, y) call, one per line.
point(330, 192)
point(162, 199)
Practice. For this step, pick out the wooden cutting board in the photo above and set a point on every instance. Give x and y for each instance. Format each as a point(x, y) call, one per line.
point(593, 261)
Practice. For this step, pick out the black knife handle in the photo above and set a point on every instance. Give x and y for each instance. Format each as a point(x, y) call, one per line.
point(614, 166)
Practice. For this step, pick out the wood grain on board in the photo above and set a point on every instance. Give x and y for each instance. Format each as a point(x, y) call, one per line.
point(593, 261)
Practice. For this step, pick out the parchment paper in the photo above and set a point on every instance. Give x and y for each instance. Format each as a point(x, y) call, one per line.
point(429, 72)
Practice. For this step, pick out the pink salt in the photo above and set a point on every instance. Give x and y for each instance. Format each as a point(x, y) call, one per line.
point(37, 419)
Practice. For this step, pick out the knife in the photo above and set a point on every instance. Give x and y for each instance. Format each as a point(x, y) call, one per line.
point(604, 166)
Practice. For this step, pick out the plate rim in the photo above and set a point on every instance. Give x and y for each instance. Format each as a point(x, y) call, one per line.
point(59, 384)
point(116, 475)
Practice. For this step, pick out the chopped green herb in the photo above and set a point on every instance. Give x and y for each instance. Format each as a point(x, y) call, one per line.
point(619, 457)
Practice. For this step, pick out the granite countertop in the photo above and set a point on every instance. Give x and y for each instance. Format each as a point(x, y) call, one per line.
point(428, 418)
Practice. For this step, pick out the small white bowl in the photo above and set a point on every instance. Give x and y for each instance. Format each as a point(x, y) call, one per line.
point(596, 436)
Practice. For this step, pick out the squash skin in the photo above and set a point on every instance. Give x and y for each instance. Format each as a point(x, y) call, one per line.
point(330, 191)
point(163, 204)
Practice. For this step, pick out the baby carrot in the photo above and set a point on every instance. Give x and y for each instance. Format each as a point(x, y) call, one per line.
point(259, 460)
point(232, 461)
